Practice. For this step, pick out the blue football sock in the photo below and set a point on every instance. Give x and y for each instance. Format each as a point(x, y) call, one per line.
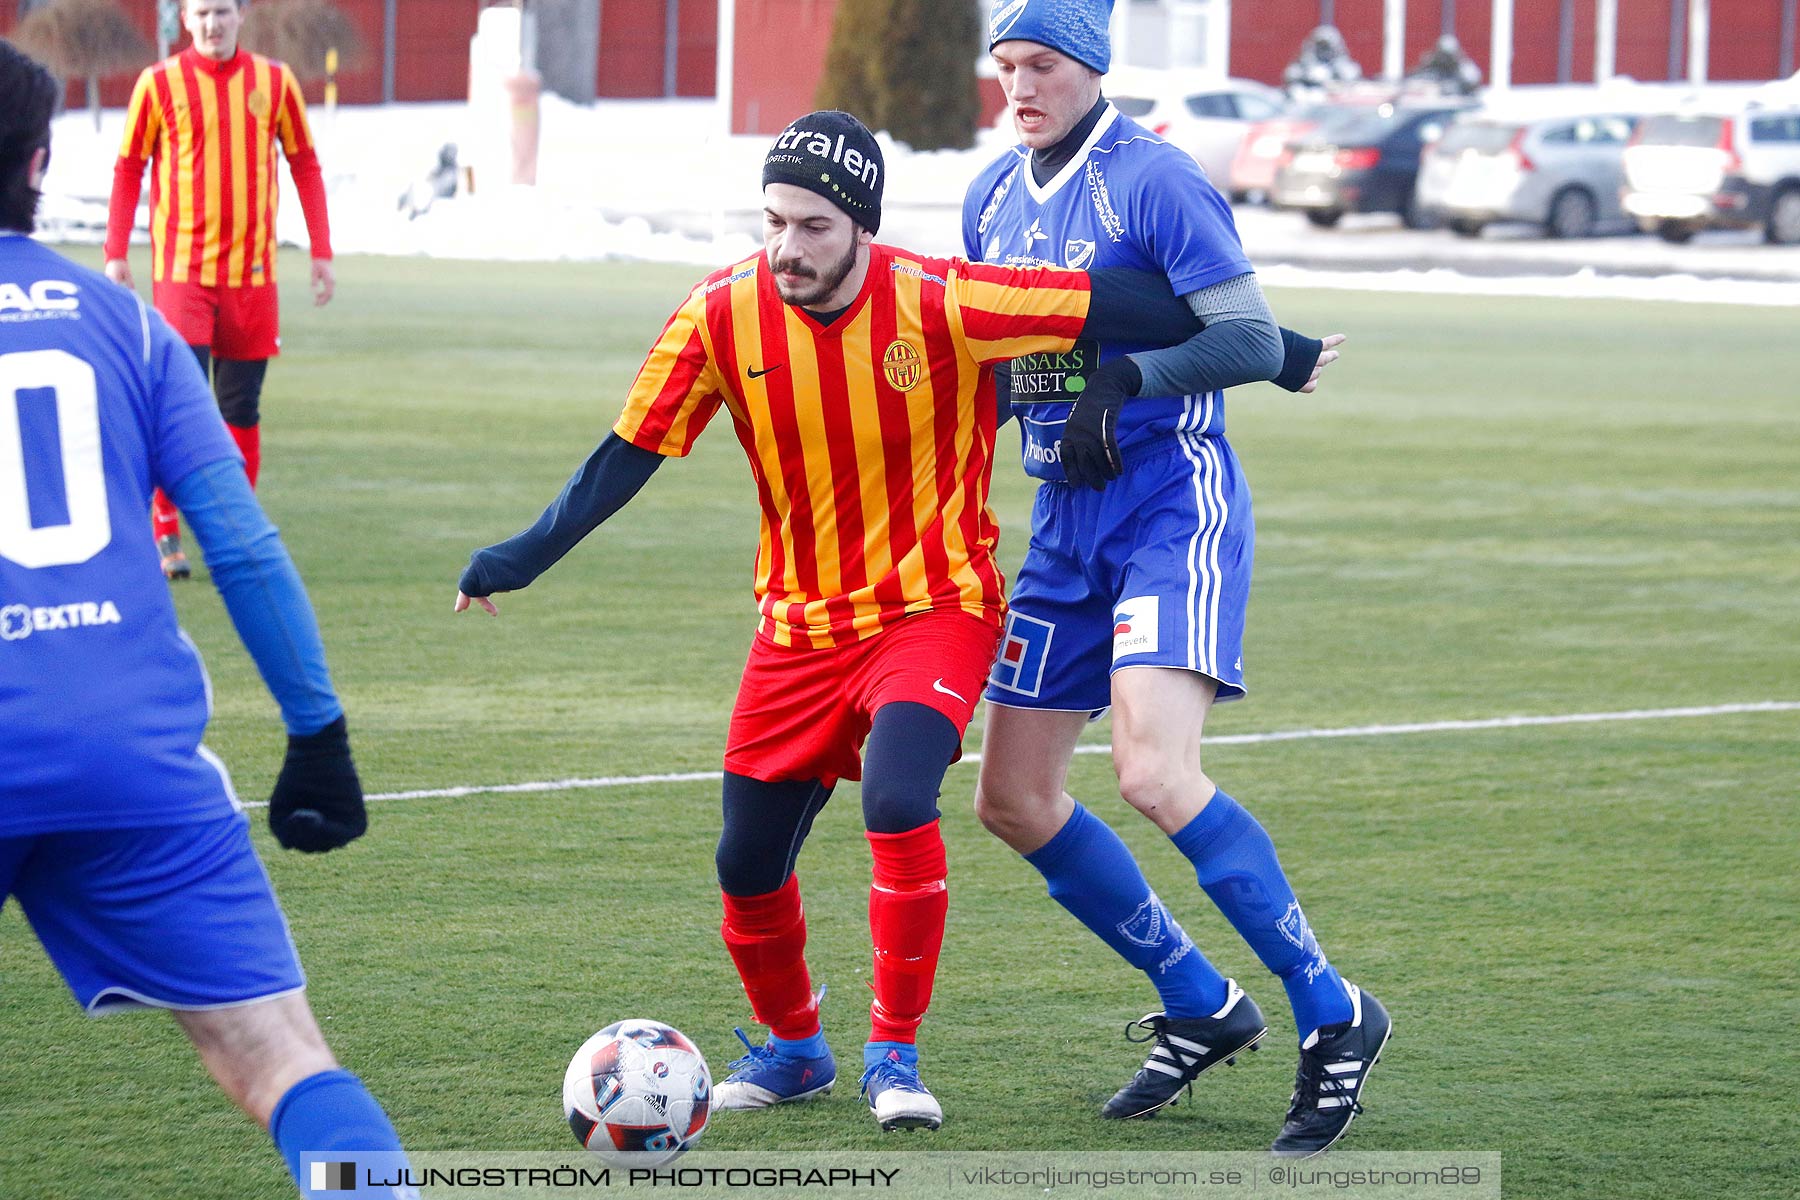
point(806, 1047)
point(333, 1112)
point(1093, 875)
point(1235, 862)
point(874, 1052)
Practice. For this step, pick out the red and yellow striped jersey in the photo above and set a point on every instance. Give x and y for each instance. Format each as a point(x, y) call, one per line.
point(871, 439)
point(210, 128)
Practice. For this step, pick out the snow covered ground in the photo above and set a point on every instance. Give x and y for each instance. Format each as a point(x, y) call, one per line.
point(656, 181)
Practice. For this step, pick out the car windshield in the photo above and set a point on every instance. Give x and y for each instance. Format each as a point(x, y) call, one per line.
point(1682, 131)
point(1132, 106)
point(1484, 137)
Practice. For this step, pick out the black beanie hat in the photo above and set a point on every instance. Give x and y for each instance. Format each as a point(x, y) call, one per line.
point(834, 154)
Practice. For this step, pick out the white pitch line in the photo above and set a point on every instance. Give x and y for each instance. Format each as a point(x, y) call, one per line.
point(1232, 739)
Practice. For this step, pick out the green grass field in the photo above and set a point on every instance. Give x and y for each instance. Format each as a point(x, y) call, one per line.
point(1587, 934)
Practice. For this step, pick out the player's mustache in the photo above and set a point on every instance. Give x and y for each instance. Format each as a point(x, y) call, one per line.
point(792, 266)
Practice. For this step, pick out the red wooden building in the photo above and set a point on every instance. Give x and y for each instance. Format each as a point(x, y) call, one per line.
point(419, 49)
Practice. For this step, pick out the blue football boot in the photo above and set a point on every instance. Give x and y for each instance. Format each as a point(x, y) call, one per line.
point(766, 1076)
point(897, 1096)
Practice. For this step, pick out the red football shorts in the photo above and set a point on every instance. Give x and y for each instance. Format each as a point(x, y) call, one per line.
point(233, 322)
point(804, 714)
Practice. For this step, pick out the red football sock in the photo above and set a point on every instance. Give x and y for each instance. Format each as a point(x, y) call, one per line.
point(767, 938)
point(907, 905)
point(164, 520)
point(249, 443)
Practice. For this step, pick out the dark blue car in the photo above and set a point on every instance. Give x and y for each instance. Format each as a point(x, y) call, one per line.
point(1363, 161)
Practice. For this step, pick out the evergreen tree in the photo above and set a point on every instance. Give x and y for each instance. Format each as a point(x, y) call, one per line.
point(907, 67)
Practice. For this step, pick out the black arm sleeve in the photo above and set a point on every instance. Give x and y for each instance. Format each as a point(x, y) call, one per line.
point(610, 477)
point(1136, 307)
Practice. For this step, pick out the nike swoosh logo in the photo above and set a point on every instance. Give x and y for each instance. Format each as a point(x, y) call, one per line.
point(937, 685)
point(756, 374)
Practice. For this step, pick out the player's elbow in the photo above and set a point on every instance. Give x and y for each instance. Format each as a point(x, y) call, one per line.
point(1264, 350)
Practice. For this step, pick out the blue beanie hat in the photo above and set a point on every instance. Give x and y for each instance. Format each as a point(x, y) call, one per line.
point(1076, 27)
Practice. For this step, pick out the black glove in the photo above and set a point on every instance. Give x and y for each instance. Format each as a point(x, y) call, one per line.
point(317, 804)
point(1090, 441)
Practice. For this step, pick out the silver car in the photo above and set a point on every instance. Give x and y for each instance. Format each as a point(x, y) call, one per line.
point(1202, 113)
point(1561, 173)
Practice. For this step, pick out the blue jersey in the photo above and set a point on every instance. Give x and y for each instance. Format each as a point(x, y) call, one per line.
point(102, 697)
point(1127, 199)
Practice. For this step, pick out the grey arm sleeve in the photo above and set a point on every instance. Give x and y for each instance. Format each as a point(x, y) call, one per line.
point(1240, 344)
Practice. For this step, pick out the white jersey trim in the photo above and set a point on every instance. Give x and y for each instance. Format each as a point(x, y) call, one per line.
point(1074, 166)
point(123, 999)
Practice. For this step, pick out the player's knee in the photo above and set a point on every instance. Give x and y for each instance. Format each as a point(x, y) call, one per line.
point(1150, 773)
point(743, 874)
point(1006, 810)
point(259, 1051)
point(898, 805)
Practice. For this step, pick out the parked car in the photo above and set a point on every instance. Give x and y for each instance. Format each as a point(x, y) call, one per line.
point(1561, 173)
point(1691, 171)
point(1205, 114)
point(1253, 168)
point(1365, 163)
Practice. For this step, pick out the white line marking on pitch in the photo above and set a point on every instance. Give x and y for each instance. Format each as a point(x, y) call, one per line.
point(1231, 739)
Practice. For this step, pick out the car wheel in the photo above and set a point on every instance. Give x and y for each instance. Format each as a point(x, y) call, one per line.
point(1324, 218)
point(1571, 214)
point(1414, 215)
point(1675, 232)
point(1783, 228)
point(1462, 227)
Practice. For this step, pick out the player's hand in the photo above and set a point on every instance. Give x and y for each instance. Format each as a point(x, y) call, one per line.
point(462, 603)
point(317, 804)
point(119, 271)
point(1090, 440)
point(1327, 356)
point(324, 282)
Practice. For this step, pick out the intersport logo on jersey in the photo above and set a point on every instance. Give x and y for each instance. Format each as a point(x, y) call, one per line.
point(19, 621)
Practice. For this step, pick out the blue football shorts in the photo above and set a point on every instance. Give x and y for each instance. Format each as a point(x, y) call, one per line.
point(1152, 572)
point(169, 916)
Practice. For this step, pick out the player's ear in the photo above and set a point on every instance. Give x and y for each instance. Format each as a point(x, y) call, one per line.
point(34, 171)
point(864, 236)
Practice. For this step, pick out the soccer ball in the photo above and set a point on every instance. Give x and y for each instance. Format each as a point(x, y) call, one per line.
point(637, 1093)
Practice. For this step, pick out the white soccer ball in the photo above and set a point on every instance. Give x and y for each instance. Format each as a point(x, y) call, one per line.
point(637, 1093)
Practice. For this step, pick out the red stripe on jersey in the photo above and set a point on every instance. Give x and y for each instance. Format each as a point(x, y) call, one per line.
point(681, 379)
point(299, 135)
point(230, 133)
point(841, 452)
point(771, 317)
point(896, 450)
point(196, 172)
point(992, 327)
point(936, 327)
point(718, 320)
point(163, 243)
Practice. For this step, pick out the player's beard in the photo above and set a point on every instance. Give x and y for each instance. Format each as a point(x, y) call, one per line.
point(822, 284)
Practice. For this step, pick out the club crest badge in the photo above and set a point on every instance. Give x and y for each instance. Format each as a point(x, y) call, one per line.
point(901, 363)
